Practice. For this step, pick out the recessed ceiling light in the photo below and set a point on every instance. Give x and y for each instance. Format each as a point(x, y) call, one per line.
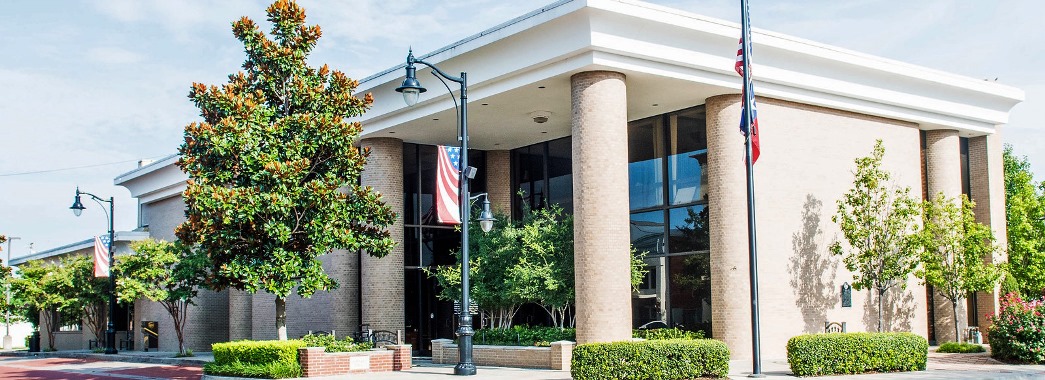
point(486, 104)
point(435, 119)
point(540, 86)
point(544, 131)
point(656, 104)
point(497, 144)
point(391, 132)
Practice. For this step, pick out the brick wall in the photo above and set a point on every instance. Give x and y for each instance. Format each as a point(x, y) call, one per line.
point(943, 174)
point(499, 181)
point(988, 191)
point(805, 166)
point(315, 362)
point(556, 357)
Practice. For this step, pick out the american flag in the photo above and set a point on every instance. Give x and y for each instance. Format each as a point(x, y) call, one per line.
point(739, 66)
point(447, 180)
point(101, 256)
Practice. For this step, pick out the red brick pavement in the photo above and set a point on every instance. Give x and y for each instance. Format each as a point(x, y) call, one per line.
point(89, 369)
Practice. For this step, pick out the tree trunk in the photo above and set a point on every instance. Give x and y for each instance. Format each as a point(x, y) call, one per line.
point(880, 293)
point(281, 318)
point(954, 311)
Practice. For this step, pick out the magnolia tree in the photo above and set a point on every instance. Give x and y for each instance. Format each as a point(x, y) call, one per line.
point(879, 223)
point(958, 251)
point(164, 272)
point(273, 173)
point(1025, 222)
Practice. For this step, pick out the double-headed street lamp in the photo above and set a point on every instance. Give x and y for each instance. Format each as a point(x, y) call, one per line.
point(411, 90)
point(77, 207)
point(7, 313)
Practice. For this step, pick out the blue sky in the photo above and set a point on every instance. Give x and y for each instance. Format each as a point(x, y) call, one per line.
point(85, 83)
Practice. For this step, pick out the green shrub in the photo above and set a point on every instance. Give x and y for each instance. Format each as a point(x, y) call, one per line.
point(665, 334)
point(651, 359)
point(849, 353)
point(273, 370)
point(960, 348)
point(1017, 333)
point(271, 359)
point(523, 336)
point(332, 344)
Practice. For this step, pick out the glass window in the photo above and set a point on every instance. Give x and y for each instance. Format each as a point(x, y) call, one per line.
point(645, 166)
point(560, 173)
point(647, 232)
point(690, 300)
point(689, 229)
point(411, 179)
point(687, 179)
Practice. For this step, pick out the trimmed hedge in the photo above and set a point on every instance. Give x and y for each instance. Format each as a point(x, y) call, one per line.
point(851, 353)
point(652, 359)
point(270, 359)
point(665, 334)
point(523, 336)
point(960, 348)
point(332, 344)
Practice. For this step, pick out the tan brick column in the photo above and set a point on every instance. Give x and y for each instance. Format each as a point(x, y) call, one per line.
point(727, 199)
point(988, 191)
point(943, 172)
point(241, 315)
point(382, 278)
point(499, 180)
point(600, 196)
point(344, 268)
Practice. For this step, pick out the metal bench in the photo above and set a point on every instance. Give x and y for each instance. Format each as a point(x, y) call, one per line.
point(834, 327)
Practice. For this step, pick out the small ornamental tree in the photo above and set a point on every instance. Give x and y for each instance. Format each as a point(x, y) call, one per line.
point(5, 282)
point(164, 272)
point(1025, 222)
point(878, 221)
point(90, 295)
point(956, 251)
point(273, 173)
point(44, 288)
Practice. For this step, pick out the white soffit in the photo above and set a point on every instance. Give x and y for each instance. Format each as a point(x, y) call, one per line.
point(646, 41)
point(159, 180)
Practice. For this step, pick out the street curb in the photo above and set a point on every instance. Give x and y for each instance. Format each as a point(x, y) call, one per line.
point(114, 358)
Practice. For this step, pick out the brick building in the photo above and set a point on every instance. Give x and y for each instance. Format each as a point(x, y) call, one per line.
point(637, 137)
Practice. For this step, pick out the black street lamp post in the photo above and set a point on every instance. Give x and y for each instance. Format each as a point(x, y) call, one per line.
point(77, 207)
point(411, 90)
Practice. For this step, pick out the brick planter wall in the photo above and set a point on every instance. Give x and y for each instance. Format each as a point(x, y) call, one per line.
point(316, 362)
point(556, 357)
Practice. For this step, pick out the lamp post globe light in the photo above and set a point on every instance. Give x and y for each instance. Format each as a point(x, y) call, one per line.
point(77, 207)
point(411, 90)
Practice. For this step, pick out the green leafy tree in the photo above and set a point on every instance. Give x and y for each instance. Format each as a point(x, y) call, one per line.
point(273, 173)
point(5, 282)
point(45, 289)
point(520, 262)
point(879, 223)
point(956, 251)
point(89, 297)
point(1024, 213)
point(164, 272)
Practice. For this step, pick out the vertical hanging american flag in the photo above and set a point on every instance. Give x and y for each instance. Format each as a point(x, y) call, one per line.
point(744, 93)
point(447, 182)
point(101, 256)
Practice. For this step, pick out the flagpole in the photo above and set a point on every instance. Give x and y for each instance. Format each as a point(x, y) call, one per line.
point(756, 357)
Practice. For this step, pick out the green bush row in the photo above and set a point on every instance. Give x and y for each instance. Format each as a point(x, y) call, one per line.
point(332, 344)
point(273, 370)
point(523, 336)
point(651, 359)
point(960, 348)
point(664, 334)
point(543, 336)
point(269, 359)
point(850, 353)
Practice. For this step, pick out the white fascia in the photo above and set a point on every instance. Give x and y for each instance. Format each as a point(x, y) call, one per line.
point(159, 180)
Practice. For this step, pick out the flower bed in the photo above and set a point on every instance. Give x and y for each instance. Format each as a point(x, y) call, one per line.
point(1017, 333)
